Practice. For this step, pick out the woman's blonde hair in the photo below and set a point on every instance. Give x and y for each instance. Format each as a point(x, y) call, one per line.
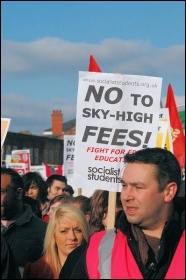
point(50, 247)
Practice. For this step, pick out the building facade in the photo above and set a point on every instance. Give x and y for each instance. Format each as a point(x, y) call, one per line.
point(43, 150)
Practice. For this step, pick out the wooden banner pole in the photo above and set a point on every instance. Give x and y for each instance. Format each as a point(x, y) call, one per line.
point(111, 210)
point(79, 191)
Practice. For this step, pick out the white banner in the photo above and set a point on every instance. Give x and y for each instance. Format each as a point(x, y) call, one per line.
point(18, 167)
point(41, 169)
point(68, 155)
point(115, 114)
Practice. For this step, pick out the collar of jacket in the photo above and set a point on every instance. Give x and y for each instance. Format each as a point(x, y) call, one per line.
point(26, 216)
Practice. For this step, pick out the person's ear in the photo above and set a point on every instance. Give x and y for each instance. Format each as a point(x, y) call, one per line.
point(87, 216)
point(19, 193)
point(170, 191)
point(104, 216)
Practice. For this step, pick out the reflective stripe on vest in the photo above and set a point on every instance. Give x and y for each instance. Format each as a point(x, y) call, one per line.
point(105, 253)
point(109, 257)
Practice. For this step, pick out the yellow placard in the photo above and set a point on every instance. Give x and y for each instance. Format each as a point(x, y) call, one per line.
point(5, 123)
point(159, 140)
point(164, 117)
point(162, 133)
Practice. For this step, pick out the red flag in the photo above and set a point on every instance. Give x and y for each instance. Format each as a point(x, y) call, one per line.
point(178, 138)
point(59, 170)
point(93, 66)
point(48, 170)
point(52, 170)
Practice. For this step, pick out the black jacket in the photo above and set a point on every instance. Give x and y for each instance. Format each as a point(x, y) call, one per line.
point(71, 261)
point(169, 241)
point(9, 268)
point(25, 237)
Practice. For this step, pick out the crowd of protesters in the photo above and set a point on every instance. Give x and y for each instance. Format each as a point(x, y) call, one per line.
point(48, 233)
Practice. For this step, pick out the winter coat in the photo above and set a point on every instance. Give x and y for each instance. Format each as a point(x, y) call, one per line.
point(71, 261)
point(9, 268)
point(26, 236)
point(38, 270)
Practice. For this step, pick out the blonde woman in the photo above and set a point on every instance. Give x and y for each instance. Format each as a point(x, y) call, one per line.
point(67, 229)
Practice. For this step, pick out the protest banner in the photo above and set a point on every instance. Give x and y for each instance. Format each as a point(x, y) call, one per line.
point(68, 155)
point(18, 167)
point(68, 158)
point(53, 169)
point(116, 114)
point(41, 169)
point(5, 123)
point(8, 158)
point(22, 156)
point(162, 133)
point(94, 67)
point(164, 130)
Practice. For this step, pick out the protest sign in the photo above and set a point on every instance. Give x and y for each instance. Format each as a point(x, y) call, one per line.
point(162, 133)
point(41, 169)
point(164, 116)
point(68, 155)
point(22, 156)
point(5, 123)
point(18, 167)
point(53, 169)
point(116, 114)
point(8, 158)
